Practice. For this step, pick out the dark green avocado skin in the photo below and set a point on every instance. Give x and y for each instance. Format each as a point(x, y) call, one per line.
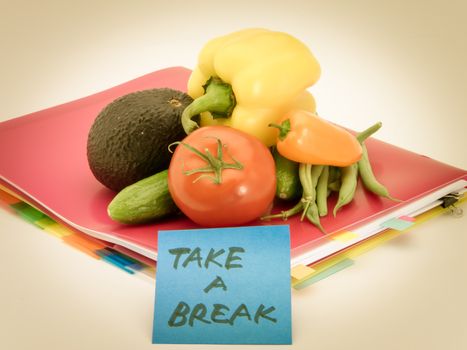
point(129, 139)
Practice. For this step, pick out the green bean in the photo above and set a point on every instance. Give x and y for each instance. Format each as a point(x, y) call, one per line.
point(322, 192)
point(307, 204)
point(368, 132)
point(316, 171)
point(349, 185)
point(334, 173)
point(313, 216)
point(368, 178)
point(334, 179)
point(306, 173)
point(335, 186)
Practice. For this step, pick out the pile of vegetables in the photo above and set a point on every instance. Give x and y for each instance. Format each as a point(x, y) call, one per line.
point(253, 137)
point(320, 172)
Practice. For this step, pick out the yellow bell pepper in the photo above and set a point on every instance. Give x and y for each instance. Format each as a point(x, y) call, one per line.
point(250, 78)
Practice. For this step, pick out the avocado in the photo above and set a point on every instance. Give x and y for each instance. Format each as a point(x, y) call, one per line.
point(129, 138)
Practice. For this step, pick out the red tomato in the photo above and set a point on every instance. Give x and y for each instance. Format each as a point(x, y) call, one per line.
point(245, 191)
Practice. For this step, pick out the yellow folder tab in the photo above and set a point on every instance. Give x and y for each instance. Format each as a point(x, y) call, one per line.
point(58, 230)
point(301, 271)
point(344, 236)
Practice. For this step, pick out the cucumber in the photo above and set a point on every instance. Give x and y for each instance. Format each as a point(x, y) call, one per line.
point(146, 200)
point(288, 184)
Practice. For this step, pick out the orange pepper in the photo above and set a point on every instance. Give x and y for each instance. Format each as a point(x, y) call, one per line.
point(306, 138)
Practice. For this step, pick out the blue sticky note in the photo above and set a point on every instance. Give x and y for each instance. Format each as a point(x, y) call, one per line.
point(223, 286)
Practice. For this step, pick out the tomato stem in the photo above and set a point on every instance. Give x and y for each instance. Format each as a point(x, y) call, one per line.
point(214, 164)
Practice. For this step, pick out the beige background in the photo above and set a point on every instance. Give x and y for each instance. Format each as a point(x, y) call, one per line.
point(400, 62)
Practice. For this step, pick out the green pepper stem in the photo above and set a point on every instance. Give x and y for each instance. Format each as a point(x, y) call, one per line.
point(218, 99)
